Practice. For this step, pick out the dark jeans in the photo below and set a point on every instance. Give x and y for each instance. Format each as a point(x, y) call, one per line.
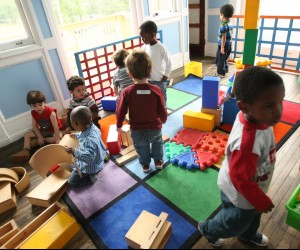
point(162, 85)
point(75, 181)
point(148, 144)
point(221, 59)
point(232, 221)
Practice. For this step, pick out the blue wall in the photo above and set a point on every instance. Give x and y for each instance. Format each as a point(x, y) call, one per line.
point(16, 81)
point(42, 19)
point(59, 73)
point(217, 4)
point(213, 23)
point(171, 37)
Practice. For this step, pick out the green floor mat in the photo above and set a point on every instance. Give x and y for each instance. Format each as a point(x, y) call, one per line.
point(193, 191)
point(177, 98)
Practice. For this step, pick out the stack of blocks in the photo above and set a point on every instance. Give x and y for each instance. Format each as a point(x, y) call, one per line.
point(210, 114)
point(230, 108)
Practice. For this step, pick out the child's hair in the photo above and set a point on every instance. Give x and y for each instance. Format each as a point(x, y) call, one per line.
point(81, 115)
point(119, 57)
point(34, 97)
point(227, 10)
point(252, 81)
point(149, 27)
point(139, 64)
point(75, 81)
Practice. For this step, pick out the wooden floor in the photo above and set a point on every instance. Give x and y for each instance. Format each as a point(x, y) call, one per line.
point(285, 180)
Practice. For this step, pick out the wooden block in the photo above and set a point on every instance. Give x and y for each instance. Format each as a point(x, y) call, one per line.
point(165, 138)
point(7, 231)
point(6, 172)
point(43, 159)
point(113, 141)
point(7, 197)
point(149, 231)
point(24, 178)
point(127, 158)
point(17, 240)
point(216, 113)
point(198, 120)
point(127, 150)
point(69, 141)
point(54, 234)
point(126, 135)
point(50, 189)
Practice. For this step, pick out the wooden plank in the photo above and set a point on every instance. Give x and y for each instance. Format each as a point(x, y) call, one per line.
point(127, 150)
point(127, 158)
point(7, 231)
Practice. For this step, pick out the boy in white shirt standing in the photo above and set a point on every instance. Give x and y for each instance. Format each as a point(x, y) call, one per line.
point(160, 57)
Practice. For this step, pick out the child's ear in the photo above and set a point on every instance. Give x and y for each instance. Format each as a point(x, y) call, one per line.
point(243, 106)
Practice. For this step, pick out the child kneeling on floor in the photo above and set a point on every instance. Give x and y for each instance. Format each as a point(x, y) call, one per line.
point(147, 111)
point(91, 152)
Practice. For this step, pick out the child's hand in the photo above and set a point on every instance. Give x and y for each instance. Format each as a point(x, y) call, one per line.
point(70, 150)
point(119, 129)
point(72, 135)
point(68, 130)
point(222, 50)
point(269, 209)
point(57, 141)
point(41, 141)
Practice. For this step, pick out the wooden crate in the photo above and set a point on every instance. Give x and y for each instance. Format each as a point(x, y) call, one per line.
point(149, 231)
point(7, 231)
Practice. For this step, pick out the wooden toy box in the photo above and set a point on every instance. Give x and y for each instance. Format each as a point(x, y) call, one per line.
point(149, 231)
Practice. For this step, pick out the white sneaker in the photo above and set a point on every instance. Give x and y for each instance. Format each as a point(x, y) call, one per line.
point(259, 240)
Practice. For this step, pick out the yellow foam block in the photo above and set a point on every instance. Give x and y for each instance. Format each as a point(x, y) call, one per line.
point(198, 120)
point(54, 234)
point(194, 68)
point(251, 14)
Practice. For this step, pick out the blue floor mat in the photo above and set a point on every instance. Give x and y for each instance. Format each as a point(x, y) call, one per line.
point(192, 85)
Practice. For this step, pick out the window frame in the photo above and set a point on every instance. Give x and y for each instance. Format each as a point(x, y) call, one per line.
point(162, 13)
point(19, 43)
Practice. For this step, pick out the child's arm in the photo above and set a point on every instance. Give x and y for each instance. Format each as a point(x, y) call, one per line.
point(116, 89)
point(54, 122)
point(223, 43)
point(167, 59)
point(121, 110)
point(68, 128)
point(41, 139)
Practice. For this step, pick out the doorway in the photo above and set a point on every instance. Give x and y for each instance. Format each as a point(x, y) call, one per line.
point(197, 27)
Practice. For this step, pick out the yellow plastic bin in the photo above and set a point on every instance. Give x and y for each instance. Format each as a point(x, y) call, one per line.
point(293, 209)
point(194, 68)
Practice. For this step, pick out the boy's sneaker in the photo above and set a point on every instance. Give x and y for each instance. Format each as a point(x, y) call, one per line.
point(107, 157)
point(259, 240)
point(146, 168)
point(159, 164)
point(218, 243)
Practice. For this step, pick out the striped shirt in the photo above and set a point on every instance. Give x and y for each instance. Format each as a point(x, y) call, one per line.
point(225, 30)
point(88, 101)
point(122, 79)
point(91, 152)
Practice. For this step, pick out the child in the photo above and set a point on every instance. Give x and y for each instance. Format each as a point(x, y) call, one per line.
point(147, 111)
point(224, 39)
point(121, 78)
point(76, 87)
point(91, 152)
point(158, 52)
point(249, 161)
point(45, 126)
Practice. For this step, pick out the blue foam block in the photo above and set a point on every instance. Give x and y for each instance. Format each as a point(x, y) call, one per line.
point(210, 92)
point(109, 103)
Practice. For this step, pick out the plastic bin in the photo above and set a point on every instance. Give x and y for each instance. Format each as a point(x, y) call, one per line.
point(194, 68)
point(293, 215)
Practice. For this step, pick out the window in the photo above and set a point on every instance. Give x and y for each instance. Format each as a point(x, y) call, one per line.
point(162, 7)
point(14, 29)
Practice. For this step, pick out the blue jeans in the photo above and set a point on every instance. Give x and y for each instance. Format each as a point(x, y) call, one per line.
point(148, 144)
point(221, 59)
point(232, 221)
point(162, 85)
point(75, 181)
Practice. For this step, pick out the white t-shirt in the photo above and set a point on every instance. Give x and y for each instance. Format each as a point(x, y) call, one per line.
point(161, 60)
